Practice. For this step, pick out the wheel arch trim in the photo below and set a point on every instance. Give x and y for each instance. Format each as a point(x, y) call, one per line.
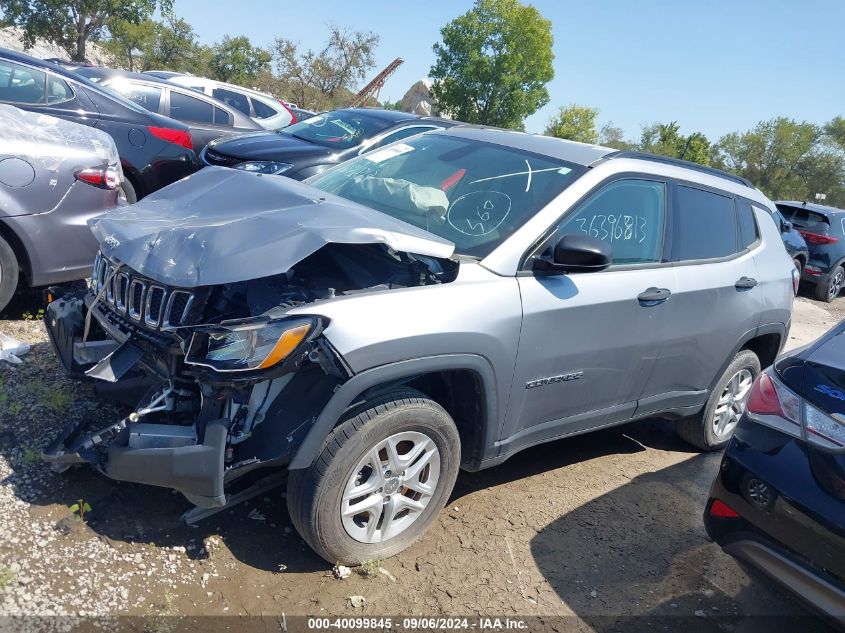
point(396, 372)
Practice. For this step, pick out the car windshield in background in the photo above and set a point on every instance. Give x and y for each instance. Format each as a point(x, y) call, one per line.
point(340, 130)
point(472, 193)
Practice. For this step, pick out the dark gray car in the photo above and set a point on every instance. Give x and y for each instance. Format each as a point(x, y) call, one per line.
point(439, 303)
point(55, 175)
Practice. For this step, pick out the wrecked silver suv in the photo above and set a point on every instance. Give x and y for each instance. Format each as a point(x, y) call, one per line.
point(440, 303)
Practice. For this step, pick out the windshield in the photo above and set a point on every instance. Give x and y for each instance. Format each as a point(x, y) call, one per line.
point(472, 193)
point(339, 130)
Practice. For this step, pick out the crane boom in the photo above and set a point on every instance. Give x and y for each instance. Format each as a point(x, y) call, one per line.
point(376, 84)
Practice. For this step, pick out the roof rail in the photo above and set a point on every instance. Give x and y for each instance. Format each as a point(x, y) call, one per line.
point(681, 163)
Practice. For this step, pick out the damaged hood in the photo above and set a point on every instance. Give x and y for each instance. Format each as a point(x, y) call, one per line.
point(224, 225)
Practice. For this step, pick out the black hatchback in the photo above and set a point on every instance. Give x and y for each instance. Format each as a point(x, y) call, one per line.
point(778, 502)
point(823, 228)
point(308, 147)
point(154, 150)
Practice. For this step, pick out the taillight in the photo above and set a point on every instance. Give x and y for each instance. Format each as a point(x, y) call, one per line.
point(177, 137)
point(290, 112)
point(108, 178)
point(817, 238)
point(773, 404)
point(722, 510)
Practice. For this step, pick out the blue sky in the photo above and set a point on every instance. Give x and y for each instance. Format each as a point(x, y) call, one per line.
point(714, 66)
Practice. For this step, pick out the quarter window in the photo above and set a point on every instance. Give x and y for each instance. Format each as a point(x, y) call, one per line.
point(221, 117)
point(19, 84)
point(58, 91)
point(747, 225)
point(627, 214)
point(185, 108)
point(262, 110)
point(704, 225)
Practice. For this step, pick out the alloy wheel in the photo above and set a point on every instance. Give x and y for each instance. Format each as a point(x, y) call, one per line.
point(835, 284)
point(390, 487)
point(732, 403)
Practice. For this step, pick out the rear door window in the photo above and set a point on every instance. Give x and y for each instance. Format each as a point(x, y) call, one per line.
point(705, 225)
point(628, 214)
point(234, 99)
point(20, 84)
point(185, 108)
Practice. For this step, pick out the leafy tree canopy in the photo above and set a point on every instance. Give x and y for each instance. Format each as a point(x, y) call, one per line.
point(574, 123)
point(73, 23)
point(326, 78)
point(235, 60)
point(493, 64)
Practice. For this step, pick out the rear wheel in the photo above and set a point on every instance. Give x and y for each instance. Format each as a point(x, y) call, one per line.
point(712, 429)
point(9, 273)
point(127, 193)
point(382, 477)
point(827, 292)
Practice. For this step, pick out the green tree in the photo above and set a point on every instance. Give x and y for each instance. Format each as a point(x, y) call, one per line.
point(235, 60)
point(665, 139)
point(781, 156)
point(493, 64)
point(612, 136)
point(574, 123)
point(73, 23)
point(326, 78)
point(130, 41)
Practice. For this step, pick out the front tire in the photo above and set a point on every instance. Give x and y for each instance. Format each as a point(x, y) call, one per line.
point(712, 429)
point(827, 292)
point(382, 477)
point(127, 193)
point(9, 273)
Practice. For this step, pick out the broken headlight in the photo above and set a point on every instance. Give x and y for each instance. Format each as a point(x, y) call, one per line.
point(264, 167)
point(247, 344)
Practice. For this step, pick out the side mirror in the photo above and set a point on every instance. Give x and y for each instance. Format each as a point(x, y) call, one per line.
point(576, 254)
point(785, 227)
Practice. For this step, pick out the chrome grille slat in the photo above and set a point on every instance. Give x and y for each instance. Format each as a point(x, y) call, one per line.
point(137, 290)
point(153, 305)
point(121, 292)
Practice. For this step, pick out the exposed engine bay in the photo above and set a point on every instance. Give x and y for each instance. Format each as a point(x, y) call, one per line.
point(224, 385)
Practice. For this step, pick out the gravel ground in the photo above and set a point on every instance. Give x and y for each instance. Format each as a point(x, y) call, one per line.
point(602, 528)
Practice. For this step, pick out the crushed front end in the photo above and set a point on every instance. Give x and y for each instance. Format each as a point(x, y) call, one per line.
point(221, 381)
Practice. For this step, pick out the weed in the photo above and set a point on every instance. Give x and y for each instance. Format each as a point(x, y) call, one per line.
point(28, 316)
point(80, 508)
point(14, 408)
point(31, 456)
point(6, 576)
point(57, 399)
point(369, 568)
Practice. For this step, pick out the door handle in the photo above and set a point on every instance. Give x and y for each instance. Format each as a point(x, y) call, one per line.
point(654, 295)
point(745, 282)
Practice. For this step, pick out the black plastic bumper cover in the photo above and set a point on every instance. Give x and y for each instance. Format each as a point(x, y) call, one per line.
point(195, 471)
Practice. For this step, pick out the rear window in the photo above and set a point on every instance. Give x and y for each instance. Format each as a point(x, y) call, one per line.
point(805, 219)
point(705, 225)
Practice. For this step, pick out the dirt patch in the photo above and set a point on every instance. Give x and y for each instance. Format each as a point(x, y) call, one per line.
point(603, 527)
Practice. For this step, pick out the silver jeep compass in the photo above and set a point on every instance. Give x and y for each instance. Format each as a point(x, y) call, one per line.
point(436, 304)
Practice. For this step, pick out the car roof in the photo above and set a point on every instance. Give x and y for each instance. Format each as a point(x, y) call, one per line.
point(810, 206)
point(570, 151)
point(101, 72)
point(240, 119)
